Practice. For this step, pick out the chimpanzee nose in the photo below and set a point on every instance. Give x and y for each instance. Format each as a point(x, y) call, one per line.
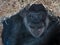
point(36, 20)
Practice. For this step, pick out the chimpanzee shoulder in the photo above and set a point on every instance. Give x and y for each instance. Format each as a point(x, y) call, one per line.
point(8, 25)
point(16, 18)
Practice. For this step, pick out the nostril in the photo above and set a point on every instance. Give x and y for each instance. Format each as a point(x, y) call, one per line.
point(36, 21)
point(40, 25)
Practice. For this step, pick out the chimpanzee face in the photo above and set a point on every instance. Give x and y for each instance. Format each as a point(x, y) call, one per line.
point(36, 22)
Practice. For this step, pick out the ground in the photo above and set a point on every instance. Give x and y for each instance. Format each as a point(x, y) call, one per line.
point(11, 7)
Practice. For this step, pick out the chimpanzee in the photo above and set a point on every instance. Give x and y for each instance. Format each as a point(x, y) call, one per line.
point(37, 27)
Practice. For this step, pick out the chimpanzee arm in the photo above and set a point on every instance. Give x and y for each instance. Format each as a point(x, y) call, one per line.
point(49, 35)
point(6, 31)
point(58, 34)
point(11, 29)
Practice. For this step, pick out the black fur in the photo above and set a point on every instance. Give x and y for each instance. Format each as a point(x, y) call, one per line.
point(15, 33)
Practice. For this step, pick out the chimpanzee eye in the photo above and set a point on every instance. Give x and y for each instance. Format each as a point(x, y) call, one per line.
point(30, 16)
point(32, 26)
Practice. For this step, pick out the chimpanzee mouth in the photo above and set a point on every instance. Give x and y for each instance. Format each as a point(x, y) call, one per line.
point(36, 32)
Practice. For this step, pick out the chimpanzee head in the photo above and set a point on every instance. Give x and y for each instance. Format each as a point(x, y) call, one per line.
point(36, 21)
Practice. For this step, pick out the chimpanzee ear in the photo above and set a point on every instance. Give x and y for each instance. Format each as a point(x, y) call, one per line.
point(37, 8)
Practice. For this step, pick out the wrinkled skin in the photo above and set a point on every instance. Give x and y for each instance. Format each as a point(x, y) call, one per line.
point(36, 24)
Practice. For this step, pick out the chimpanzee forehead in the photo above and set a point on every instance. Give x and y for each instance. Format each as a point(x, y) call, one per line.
point(34, 13)
point(41, 13)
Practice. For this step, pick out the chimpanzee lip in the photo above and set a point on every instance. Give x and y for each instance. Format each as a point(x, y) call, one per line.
point(37, 33)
